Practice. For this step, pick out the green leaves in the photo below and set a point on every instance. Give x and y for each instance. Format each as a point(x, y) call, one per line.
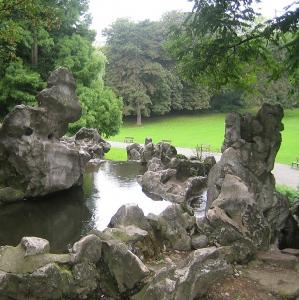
point(141, 70)
point(19, 85)
point(222, 39)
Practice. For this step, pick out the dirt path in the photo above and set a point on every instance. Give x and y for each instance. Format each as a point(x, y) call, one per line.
point(284, 174)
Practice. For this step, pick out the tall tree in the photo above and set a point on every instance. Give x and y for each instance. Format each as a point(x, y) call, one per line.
point(142, 72)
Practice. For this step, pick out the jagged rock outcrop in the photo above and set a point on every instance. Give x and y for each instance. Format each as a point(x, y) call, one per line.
point(144, 154)
point(243, 209)
point(34, 162)
point(189, 280)
point(92, 265)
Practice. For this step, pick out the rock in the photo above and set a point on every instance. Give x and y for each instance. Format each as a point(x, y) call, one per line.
point(173, 226)
point(148, 140)
point(127, 274)
point(141, 242)
point(87, 249)
point(129, 214)
point(90, 141)
point(290, 251)
point(163, 184)
point(199, 241)
point(243, 206)
point(48, 282)
point(284, 284)
point(277, 258)
point(34, 162)
point(34, 245)
point(190, 281)
point(134, 152)
point(86, 280)
point(88, 134)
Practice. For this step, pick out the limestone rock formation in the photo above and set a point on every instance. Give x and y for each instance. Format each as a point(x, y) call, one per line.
point(243, 209)
point(34, 162)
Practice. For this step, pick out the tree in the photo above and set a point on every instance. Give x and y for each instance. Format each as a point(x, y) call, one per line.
point(38, 35)
point(223, 43)
point(143, 73)
point(19, 85)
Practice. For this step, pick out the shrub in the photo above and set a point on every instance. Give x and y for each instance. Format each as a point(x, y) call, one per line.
point(289, 192)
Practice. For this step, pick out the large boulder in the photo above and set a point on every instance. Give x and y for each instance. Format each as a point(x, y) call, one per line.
point(190, 280)
point(34, 162)
point(243, 208)
point(173, 228)
point(126, 272)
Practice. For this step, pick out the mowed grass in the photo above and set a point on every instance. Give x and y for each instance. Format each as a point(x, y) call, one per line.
point(208, 128)
point(117, 154)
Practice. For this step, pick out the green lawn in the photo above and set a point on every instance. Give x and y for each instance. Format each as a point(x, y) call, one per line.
point(190, 130)
point(117, 154)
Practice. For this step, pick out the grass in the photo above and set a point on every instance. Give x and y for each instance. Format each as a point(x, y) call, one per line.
point(117, 154)
point(206, 128)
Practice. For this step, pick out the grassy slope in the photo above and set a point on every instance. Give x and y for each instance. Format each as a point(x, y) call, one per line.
point(188, 131)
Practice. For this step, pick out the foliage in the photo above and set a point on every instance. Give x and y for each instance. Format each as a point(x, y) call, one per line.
point(206, 128)
point(224, 43)
point(101, 110)
point(141, 71)
point(38, 35)
point(291, 193)
point(19, 85)
point(227, 101)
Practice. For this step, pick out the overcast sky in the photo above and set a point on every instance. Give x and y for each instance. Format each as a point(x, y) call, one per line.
point(104, 12)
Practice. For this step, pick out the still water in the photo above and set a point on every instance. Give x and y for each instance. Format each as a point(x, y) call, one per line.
point(64, 217)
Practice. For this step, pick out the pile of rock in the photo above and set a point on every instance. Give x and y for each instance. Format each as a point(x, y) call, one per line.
point(170, 176)
point(34, 161)
point(243, 210)
point(105, 263)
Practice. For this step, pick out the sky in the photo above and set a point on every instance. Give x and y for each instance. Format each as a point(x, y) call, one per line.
point(105, 12)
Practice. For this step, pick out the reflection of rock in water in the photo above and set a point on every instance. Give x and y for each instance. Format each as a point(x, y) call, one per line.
point(62, 218)
point(124, 171)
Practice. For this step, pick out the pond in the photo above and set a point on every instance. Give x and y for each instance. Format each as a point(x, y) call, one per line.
point(64, 217)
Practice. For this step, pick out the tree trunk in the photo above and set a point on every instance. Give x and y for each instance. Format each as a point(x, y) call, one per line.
point(34, 53)
point(138, 113)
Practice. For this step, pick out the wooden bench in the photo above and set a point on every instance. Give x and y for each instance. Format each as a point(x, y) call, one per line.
point(129, 140)
point(296, 163)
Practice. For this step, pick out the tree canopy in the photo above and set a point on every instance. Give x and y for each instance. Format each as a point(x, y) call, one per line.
point(37, 36)
point(143, 73)
point(226, 42)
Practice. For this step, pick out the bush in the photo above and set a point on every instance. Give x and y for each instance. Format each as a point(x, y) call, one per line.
point(289, 192)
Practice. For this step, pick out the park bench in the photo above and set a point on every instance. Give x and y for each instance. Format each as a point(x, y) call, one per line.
point(129, 140)
point(296, 163)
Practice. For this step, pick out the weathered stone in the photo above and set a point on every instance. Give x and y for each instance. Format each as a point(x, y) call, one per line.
point(126, 272)
point(199, 241)
point(129, 214)
point(34, 245)
point(33, 160)
point(189, 281)
point(242, 204)
point(174, 225)
point(86, 280)
point(87, 249)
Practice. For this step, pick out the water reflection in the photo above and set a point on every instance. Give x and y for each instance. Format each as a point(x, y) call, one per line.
point(62, 218)
point(116, 185)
